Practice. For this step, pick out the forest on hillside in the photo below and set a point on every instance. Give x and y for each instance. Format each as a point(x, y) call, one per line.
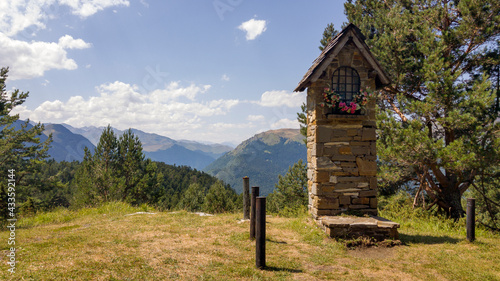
point(117, 170)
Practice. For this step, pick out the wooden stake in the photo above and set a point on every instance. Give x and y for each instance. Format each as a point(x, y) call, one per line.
point(471, 219)
point(255, 193)
point(246, 198)
point(260, 240)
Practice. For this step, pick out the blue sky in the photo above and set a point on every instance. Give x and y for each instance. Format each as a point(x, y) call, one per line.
point(211, 71)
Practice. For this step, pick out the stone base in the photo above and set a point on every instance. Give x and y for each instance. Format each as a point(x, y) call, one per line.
point(349, 227)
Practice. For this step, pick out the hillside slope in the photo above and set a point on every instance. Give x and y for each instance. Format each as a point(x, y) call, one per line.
point(160, 148)
point(262, 158)
point(66, 146)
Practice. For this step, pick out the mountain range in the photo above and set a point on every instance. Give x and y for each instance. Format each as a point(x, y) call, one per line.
point(262, 158)
point(161, 148)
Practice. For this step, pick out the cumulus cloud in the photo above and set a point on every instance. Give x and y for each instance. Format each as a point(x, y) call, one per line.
point(286, 123)
point(281, 98)
point(224, 77)
point(123, 106)
point(256, 118)
point(23, 18)
point(86, 8)
point(18, 16)
point(67, 42)
point(253, 28)
point(29, 60)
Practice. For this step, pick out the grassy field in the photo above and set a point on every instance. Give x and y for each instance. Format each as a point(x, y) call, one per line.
point(107, 244)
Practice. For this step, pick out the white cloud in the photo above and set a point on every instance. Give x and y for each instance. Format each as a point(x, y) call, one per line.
point(67, 42)
point(256, 118)
point(30, 15)
point(253, 28)
point(123, 106)
point(29, 60)
point(281, 98)
point(286, 123)
point(173, 92)
point(86, 8)
point(23, 18)
point(224, 77)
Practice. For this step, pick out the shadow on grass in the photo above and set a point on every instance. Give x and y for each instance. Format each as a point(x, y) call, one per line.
point(275, 241)
point(282, 269)
point(427, 239)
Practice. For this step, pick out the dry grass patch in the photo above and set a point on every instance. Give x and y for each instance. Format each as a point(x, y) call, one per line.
point(104, 244)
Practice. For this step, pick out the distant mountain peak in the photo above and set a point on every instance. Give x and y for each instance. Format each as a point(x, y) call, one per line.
point(262, 157)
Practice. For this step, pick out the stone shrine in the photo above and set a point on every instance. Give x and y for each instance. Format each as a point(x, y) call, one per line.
point(341, 142)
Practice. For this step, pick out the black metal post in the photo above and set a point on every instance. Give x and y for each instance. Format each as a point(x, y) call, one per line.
point(260, 240)
point(471, 219)
point(246, 198)
point(255, 193)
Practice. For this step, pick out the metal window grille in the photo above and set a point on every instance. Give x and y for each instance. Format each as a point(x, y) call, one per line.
point(346, 82)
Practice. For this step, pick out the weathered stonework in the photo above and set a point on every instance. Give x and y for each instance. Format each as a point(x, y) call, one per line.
point(341, 148)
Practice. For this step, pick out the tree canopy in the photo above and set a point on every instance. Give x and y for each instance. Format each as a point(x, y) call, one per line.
point(437, 125)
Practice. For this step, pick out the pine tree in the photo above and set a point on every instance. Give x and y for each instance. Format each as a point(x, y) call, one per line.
point(219, 199)
point(131, 166)
point(193, 197)
point(328, 34)
point(437, 118)
point(291, 190)
point(20, 148)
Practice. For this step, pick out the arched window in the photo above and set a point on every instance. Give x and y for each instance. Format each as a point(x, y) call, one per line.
point(346, 83)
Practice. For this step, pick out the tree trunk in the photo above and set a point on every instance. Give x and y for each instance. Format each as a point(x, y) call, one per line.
point(452, 198)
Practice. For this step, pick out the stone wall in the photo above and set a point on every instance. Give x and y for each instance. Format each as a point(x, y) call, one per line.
point(341, 149)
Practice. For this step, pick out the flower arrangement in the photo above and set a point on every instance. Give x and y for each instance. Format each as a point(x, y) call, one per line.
point(333, 100)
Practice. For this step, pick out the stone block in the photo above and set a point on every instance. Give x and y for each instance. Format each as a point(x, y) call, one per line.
point(361, 201)
point(349, 171)
point(351, 158)
point(368, 193)
point(366, 168)
point(339, 132)
point(324, 133)
point(360, 150)
point(333, 179)
point(314, 189)
point(348, 164)
point(325, 203)
point(321, 176)
point(369, 123)
point(357, 207)
point(310, 174)
point(346, 186)
point(353, 132)
point(351, 194)
point(317, 150)
point(373, 149)
point(323, 163)
point(317, 213)
point(373, 203)
point(352, 179)
point(369, 134)
point(345, 200)
point(337, 143)
point(345, 150)
point(360, 143)
point(363, 185)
